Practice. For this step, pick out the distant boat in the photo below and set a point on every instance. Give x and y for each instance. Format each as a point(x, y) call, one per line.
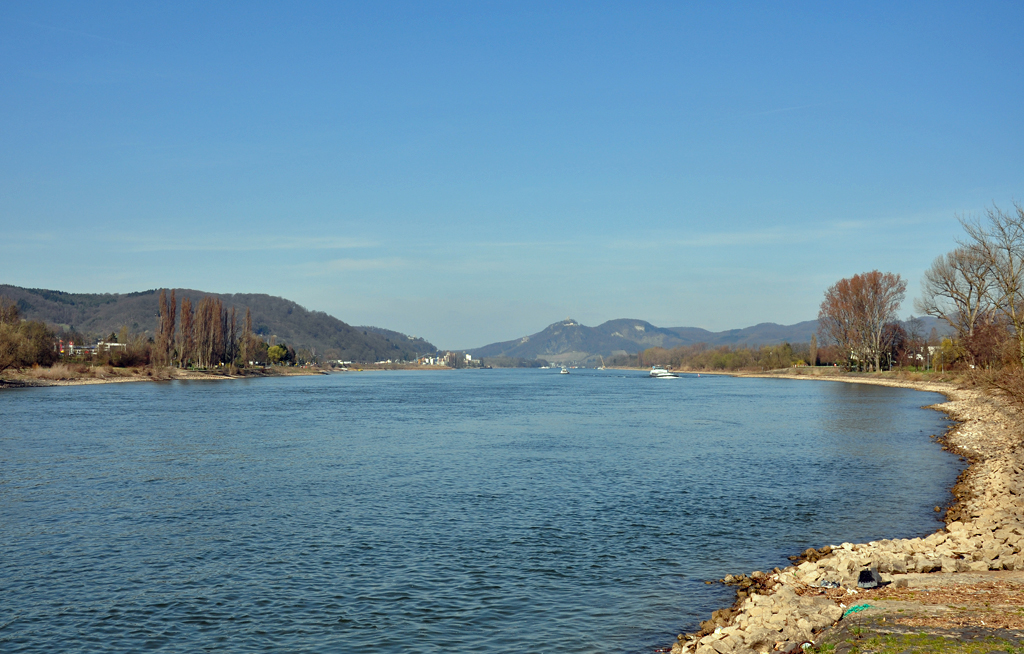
point(660, 373)
point(601, 367)
point(564, 371)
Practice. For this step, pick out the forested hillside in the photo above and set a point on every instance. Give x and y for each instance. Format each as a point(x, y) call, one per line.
point(101, 314)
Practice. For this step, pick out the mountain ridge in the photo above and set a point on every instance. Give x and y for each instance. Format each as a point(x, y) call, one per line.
point(569, 340)
point(103, 313)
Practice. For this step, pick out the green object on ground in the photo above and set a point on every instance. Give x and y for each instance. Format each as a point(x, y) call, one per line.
point(856, 609)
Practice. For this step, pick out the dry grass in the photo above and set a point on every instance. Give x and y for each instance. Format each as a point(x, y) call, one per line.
point(59, 372)
point(1008, 381)
point(73, 372)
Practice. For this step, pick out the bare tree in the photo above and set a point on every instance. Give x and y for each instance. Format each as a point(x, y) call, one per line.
point(218, 329)
point(1000, 239)
point(10, 339)
point(246, 342)
point(161, 331)
point(915, 339)
point(232, 331)
point(202, 332)
point(165, 332)
point(186, 334)
point(172, 307)
point(209, 332)
point(957, 289)
point(855, 311)
point(837, 319)
point(9, 314)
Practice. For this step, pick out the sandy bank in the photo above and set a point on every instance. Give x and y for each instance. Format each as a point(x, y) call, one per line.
point(804, 605)
point(44, 377)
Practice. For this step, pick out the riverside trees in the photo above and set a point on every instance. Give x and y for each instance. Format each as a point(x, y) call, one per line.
point(957, 289)
point(978, 288)
point(23, 343)
point(163, 349)
point(855, 312)
point(206, 336)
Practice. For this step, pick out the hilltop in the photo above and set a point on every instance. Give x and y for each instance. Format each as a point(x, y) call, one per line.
point(99, 314)
point(568, 340)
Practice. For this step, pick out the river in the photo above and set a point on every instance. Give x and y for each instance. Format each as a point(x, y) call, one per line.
point(436, 512)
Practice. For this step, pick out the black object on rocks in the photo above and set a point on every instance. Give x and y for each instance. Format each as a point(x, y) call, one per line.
point(869, 578)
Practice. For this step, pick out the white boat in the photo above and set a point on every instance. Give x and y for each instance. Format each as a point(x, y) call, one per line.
point(564, 371)
point(661, 373)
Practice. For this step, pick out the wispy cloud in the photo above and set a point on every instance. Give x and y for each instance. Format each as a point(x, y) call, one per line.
point(521, 244)
point(64, 30)
point(714, 239)
point(820, 231)
point(199, 242)
point(233, 243)
point(317, 268)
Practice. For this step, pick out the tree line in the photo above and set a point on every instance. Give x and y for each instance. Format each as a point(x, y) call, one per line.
point(23, 343)
point(204, 335)
point(207, 335)
point(977, 289)
point(702, 356)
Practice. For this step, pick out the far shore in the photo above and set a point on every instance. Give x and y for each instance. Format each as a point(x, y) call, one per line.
point(73, 375)
point(64, 375)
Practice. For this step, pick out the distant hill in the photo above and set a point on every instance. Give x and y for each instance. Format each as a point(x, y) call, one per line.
point(643, 334)
point(568, 340)
point(766, 333)
point(418, 344)
point(562, 341)
point(103, 313)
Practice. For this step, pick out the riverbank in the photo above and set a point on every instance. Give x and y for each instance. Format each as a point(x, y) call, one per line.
point(819, 604)
point(66, 375)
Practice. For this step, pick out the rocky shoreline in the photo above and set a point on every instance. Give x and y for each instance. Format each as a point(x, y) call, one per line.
point(795, 608)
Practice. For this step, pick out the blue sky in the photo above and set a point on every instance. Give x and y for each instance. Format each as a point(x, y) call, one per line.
point(471, 172)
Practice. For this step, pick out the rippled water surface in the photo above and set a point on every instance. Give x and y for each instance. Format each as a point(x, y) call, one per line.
point(466, 511)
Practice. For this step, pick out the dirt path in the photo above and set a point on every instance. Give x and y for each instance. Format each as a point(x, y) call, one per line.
point(934, 612)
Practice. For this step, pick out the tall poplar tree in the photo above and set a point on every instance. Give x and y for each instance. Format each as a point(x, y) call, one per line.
point(160, 347)
point(172, 308)
point(164, 346)
point(232, 346)
point(246, 341)
point(186, 334)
